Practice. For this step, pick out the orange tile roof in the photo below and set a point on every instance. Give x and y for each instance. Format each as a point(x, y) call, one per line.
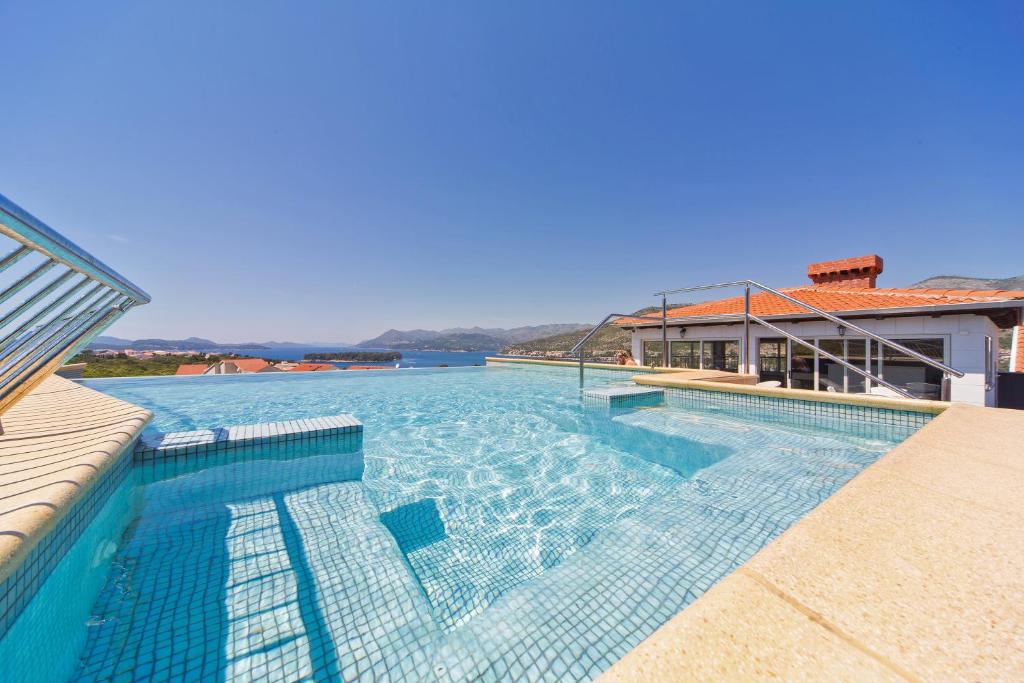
point(836, 300)
point(192, 369)
point(249, 364)
point(313, 367)
point(1017, 351)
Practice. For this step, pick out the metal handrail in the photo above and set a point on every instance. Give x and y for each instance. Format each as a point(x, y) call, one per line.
point(850, 366)
point(44, 321)
point(20, 225)
point(824, 314)
point(586, 338)
point(747, 316)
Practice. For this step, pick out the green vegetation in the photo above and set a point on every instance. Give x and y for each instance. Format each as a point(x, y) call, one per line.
point(602, 347)
point(123, 366)
point(356, 356)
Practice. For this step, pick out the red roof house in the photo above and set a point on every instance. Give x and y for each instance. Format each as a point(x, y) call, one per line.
point(192, 369)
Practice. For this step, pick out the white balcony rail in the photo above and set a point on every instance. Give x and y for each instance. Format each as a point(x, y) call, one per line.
point(54, 299)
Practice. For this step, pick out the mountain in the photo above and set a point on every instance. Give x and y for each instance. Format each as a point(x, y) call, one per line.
point(190, 344)
point(291, 345)
point(519, 334)
point(465, 338)
point(111, 342)
point(964, 282)
point(603, 346)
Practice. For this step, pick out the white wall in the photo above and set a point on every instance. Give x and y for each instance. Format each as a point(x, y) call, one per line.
point(964, 335)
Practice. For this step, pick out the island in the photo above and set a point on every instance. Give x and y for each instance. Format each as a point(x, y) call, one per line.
point(355, 356)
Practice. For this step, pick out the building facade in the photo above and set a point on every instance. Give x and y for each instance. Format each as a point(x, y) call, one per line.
point(959, 328)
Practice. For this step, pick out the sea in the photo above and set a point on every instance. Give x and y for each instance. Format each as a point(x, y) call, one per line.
point(410, 359)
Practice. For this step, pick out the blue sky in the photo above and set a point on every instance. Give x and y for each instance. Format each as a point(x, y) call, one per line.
point(323, 171)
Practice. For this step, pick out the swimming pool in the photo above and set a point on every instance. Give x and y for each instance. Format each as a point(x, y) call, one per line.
point(490, 525)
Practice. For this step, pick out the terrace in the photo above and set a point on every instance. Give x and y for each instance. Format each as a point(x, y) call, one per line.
point(666, 523)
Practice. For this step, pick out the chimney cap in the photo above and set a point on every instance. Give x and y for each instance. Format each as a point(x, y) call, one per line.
point(859, 271)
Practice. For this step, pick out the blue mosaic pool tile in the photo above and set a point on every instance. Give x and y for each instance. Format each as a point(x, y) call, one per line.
point(794, 411)
point(17, 590)
point(624, 396)
point(224, 438)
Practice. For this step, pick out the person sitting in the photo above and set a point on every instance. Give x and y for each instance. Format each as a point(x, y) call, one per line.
point(626, 358)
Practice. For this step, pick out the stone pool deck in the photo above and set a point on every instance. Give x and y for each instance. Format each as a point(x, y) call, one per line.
point(58, 442)
point(912, 571)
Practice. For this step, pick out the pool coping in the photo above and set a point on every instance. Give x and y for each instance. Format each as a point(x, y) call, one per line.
point(912, 571)
point(59, 441)
point(705, 375)
point(866, 400)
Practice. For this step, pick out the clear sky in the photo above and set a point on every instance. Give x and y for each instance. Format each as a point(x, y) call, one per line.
point(323, 171)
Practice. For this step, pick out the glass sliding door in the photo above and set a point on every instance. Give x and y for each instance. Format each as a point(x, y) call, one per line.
point(831, 375)
point(802, 372)
point(856, 354)
point(919, 379)
point(685, 354)
point(721, 355)
point(652, 353)
point(772, 361)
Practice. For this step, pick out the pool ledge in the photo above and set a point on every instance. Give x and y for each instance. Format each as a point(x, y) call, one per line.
point(705, 375)
point(912, 571)
point(684, 380)
point(59, 440)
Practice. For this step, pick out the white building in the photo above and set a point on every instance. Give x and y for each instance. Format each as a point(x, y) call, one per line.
point(957, 327)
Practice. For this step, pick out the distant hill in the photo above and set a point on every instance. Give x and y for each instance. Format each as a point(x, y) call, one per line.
point(604, 345)
point(464, 338)
point(964, 282)
point(190, 344)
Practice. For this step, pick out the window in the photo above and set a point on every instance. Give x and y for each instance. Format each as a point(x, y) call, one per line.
point(652, 353)
point(685, 354)
point(906, 372)
point(802, 373)
point(771, 360)
point(722, 355)
point(831, 375)
point(856, 354)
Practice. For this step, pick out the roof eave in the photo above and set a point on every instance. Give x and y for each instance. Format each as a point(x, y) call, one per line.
point(944, 309)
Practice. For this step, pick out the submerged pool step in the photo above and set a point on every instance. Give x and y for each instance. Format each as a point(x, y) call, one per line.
point(173, 444)
point(619, 397)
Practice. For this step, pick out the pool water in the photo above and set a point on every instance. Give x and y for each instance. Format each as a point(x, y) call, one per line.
point(489, 526)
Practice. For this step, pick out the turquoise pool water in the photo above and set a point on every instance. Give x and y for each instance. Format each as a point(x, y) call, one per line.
point(489, 526)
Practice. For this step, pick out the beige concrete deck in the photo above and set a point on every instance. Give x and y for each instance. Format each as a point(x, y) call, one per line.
point(57, 441)
point(912, 571)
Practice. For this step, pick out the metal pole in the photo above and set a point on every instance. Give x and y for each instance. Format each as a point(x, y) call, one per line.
point(665, 332)
point(581, 367)
point(746, 329)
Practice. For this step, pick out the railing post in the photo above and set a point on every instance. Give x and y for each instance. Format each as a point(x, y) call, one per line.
point(746, 329)
point(582, 348)
point(664, 330)
point(946, 390)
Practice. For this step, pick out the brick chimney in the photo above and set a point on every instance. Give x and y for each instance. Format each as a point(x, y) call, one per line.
point(848, 273)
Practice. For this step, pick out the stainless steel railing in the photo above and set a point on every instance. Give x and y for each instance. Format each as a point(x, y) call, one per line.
point(581, 344)
point(747, 317)
point(54, 298)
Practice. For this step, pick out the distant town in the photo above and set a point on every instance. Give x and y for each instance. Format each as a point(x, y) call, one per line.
point(97, 363)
